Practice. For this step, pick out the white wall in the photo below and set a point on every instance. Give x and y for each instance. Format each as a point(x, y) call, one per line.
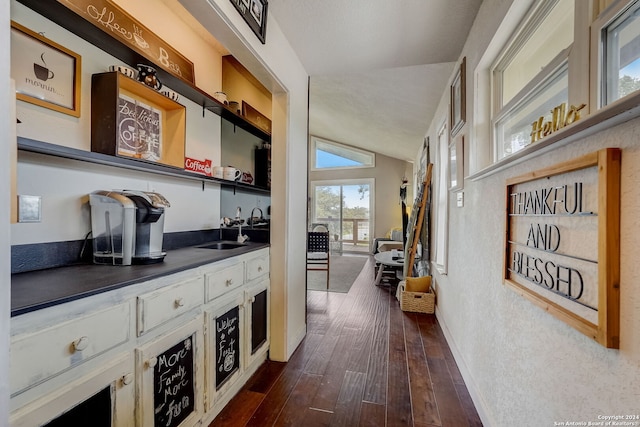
point(64, 184)
point(523, 366)
point(6, 104)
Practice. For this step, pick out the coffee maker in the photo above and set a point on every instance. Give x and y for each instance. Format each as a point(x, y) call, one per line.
point(127, 227)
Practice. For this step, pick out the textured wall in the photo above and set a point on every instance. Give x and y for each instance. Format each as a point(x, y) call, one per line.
point(524, 366)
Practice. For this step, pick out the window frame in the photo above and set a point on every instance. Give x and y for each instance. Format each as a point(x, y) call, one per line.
point(442, 217)
point(314, 148)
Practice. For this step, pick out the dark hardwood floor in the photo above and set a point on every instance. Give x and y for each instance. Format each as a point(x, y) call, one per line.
point(364, 362)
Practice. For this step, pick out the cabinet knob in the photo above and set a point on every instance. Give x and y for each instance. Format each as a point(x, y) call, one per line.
point(151, 363)
point(228, 282)
point(259, 268)
point(127, 378)
point(81, 343)
point(252, 300)
point(179, 302)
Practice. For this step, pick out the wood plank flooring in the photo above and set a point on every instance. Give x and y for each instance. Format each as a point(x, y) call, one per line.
point(364, 362)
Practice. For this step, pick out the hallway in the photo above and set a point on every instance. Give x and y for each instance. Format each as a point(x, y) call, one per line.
point(363, 363)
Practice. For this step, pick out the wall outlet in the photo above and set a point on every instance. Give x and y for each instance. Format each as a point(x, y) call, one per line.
point(29, 208)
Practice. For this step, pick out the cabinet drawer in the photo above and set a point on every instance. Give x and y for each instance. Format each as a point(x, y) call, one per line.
point(39, 356)
point(162, 305)
point(222, 281)
point(257, 267)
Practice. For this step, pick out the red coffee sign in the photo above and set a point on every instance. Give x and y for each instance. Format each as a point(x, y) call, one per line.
point(202, 167)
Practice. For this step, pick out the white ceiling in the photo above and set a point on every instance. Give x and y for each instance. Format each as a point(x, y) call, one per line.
point(378, 67)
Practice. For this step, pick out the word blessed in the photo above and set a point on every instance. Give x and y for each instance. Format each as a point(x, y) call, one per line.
point(560, 118)
point(563, 200)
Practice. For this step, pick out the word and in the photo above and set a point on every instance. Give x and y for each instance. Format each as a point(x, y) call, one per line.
point(560, 118)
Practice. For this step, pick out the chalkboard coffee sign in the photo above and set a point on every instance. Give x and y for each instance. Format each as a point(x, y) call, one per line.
point(173, 385)
point(227, 345)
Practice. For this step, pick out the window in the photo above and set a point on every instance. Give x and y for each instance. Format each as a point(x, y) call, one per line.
point(331, 155)
point(530, 76)
point(442, 206)
point(621, 44)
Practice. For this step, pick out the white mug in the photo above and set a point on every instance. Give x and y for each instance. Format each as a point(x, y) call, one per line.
point(231, 173)
point(218, 172)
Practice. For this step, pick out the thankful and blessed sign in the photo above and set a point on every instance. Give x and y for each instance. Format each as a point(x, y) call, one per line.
point(562, 248)
point(114, 21)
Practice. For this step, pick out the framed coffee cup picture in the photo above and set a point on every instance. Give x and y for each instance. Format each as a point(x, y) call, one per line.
point(46, 73)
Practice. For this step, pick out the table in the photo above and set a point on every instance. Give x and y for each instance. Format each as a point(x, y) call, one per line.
point(386, 259)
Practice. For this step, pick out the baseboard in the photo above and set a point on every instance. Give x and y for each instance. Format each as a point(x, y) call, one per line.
point(474, 392)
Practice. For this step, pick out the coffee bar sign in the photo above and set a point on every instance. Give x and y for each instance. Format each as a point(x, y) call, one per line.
point(114, 21)
point(562, 242)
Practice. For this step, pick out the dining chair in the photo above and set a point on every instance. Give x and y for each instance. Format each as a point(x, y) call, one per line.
point(318, 252)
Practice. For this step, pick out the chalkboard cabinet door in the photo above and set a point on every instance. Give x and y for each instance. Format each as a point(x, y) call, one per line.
point(170, 378)
point(257, 306)
point(106, 395)
point(225, 333)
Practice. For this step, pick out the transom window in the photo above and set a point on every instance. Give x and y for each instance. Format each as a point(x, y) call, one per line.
point(621, 44)
point(331, 155)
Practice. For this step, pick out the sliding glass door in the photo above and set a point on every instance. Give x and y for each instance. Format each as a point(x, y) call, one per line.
point(347, 207)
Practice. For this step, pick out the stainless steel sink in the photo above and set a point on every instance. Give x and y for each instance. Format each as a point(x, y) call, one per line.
point(223, 245)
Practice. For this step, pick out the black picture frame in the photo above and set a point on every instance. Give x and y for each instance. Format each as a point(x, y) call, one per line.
point(458, 95)
point(254, 13)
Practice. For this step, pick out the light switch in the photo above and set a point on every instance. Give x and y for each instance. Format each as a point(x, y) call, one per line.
point(460, 199)
point(29, 208)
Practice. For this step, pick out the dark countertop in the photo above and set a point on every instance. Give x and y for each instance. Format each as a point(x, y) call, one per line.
point(36, 290)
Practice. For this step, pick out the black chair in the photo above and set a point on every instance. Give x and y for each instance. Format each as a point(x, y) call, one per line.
point(318, 252)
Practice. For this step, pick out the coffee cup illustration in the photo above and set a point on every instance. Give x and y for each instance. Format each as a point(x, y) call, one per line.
point(41, 71)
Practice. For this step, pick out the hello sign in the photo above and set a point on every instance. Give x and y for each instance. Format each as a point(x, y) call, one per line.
point(562, 242)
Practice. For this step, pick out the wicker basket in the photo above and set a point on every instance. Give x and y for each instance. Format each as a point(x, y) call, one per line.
point(417, 302)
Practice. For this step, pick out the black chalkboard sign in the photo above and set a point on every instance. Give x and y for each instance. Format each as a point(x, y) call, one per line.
point(227, 345)
point(173, 385)
point(259, 321)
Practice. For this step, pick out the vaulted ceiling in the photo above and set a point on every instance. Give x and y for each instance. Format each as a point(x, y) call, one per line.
point(378, 68)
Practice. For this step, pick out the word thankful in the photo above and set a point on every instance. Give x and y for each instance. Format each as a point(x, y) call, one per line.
point(560, 118)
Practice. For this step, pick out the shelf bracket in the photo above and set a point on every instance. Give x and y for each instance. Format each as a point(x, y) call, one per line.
point(203, 108)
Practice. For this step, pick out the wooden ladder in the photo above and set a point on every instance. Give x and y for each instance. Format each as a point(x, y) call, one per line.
point(416, 220)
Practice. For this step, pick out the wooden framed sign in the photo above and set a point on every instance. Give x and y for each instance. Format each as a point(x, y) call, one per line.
point(116, 22)
point(562, 242)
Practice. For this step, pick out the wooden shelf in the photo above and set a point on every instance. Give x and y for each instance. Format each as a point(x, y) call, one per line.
point(33, 146)
point(69, 20)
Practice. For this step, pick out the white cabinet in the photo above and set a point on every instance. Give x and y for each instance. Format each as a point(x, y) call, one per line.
point(168, 352)
point(38, 356)
point(170, 378)
point(257, 299)
point(157, 307)
point(224, 278)
point(225, 331)
point(109, 390)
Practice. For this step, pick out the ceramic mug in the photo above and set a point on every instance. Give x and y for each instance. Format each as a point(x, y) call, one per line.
point(218, 172)
point(147, 75)
point(231, 173)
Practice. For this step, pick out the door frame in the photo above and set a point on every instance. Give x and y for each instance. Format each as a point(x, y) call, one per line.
point(346, 181)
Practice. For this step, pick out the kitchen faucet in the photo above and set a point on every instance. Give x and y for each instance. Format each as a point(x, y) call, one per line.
point(241, 238)
point(251, 217)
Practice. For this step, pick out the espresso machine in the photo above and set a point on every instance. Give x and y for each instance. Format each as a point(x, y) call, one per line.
point(127, 226)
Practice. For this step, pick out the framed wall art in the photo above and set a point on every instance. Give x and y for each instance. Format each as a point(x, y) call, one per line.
point(46, 73)
point(458, 110)
point(254, 13)
point(562, 247)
